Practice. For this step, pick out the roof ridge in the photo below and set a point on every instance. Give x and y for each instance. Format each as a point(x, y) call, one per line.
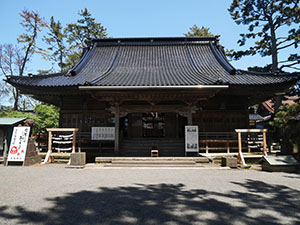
point(269, 74)
point(153, 39)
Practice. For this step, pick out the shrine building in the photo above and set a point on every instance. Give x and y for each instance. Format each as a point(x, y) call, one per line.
point(148, 89)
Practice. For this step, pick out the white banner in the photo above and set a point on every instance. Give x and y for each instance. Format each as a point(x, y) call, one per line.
point(191, 139)
point(103, 133)
point(18, 144)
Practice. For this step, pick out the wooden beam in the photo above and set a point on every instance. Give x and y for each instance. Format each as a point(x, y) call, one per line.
point(117, 125)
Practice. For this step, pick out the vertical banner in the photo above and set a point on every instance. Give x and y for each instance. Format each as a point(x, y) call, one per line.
point(191, 139)
point(18, 144)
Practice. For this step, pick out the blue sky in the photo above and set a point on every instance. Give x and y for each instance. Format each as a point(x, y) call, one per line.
point(131, 18)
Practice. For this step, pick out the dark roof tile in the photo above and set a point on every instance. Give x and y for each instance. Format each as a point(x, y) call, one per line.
point(152, 62)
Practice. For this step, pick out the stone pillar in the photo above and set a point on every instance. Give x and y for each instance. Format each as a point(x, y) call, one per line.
point(117, 128)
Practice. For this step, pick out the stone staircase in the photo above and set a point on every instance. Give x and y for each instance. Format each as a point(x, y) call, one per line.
point(141, 147)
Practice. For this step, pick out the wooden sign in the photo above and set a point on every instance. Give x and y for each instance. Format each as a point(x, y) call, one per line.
point(18, 144)
point(191, 139)
point(103, 133)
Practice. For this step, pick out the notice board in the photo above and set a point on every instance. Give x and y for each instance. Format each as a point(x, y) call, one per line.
point(191, 139)
point(103, 133)
point(18, 144)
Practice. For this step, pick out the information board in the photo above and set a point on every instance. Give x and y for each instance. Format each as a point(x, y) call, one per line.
point(191, 139)
point(18, 144)
point(103, 133)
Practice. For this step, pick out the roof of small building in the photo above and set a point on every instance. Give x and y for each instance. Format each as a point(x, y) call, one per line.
point(6, 121)
point(289, 100)
point(152, 62)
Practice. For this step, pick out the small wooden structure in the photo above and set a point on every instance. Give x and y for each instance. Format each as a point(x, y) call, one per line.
point(50, 130)
point(240, 131)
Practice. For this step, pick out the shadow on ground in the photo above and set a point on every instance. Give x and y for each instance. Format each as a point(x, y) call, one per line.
point(256, 202)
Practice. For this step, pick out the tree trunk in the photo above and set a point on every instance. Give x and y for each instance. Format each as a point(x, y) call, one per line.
point(16, 99)
point(273, 47)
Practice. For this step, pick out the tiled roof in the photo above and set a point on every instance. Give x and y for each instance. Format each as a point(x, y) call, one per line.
point(152, 62)
point(289, 100)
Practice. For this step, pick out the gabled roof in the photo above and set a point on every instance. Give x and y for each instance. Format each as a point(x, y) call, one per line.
point(156, 62)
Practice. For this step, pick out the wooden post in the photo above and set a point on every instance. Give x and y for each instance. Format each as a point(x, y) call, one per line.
point(264, 142)
point(190, 118)
point(227, 147)
point(74, 141)
point(240, 155)
point(117, 125)
point(49, 147)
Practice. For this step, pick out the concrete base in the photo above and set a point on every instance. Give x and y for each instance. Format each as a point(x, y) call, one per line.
point(279, 168)
point(229, 161)
point(78, 159)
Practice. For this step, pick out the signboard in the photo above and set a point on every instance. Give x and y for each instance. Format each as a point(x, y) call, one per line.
point(103, 133)
point(191, 139)
point(18, 144)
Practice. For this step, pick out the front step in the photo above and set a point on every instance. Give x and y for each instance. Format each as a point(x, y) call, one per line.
point(153, 160)
point(1, 160)
point(158, 162)
point(141, 147)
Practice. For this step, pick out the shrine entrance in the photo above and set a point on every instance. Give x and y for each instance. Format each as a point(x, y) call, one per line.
point(153, 125)
point(141, 132)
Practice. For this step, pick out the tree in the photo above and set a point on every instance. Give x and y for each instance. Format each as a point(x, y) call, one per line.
point(195, 31)
point(13, 60)
point(290, 127)
point(46, 116)
point(265, 20)
point(78, 35)
point(56, 41)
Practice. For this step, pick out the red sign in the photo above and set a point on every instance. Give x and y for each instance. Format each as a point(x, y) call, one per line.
point(13, 150)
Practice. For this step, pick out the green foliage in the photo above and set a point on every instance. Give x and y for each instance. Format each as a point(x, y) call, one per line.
point(85, 29)
point(45, 116)
point(15, 114)
point(55, 40)
point(264, 69)
point(264, 19)
point(195, 31)
point(284, 120)
point(66, 44)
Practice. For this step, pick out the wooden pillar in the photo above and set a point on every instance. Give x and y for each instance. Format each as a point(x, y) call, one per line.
point(190, 118)
point(74, 141)
point(240, 155)
point(117, 127)
point(264, 142)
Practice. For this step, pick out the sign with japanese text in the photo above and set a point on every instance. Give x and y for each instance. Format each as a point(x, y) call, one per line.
point(103, 133)
point(191, 139)
point(18, 144)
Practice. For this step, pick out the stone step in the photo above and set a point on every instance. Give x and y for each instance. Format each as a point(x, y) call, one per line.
point(163, 162)
point(1, 159)
point(153, 165)
point(151, 159)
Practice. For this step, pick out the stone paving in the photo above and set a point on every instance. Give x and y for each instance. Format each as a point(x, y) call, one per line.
point(52, 194)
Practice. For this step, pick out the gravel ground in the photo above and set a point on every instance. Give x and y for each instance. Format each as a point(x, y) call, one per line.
point(52, 194)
